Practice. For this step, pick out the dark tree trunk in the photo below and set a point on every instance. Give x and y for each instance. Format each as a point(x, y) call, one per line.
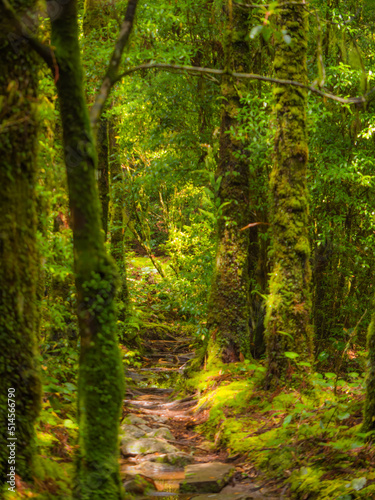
point(228, 309)
point(117, 229)
point(100, 385)
point(289, 304)
point(18, 249)
point(102, 148)
point(96, 18)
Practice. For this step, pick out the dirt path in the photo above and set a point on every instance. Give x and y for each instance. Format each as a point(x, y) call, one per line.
point(162, 455)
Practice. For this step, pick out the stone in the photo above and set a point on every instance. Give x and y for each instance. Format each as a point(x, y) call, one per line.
point(159, 418)
point(159, 471)
point(145, 428)
point(161, 433)
point(206, 478)
point(145, 446)
point(208, 446)
point(132, 431)
point(138, 485)
point(179, 459)
point(132, 419)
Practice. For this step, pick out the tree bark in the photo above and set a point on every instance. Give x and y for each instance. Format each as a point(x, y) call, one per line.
point(288, 327)
point(117, 224)
point(100, 384)
point(96, 18)
point(369, 407)
point(228, 308)
point(18, 248)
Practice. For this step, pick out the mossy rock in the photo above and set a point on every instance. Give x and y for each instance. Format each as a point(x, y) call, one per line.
point(151, 330)
point(138, 485)
point(161, 433)
point(145, 446)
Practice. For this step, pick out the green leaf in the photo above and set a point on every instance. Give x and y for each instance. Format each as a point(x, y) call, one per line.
point(267, 33)
point(291, 355)
point(343, 416)
point(69, 424)
point(330, 375)
point(70, 387)
point(209, 214)
point(287, 420)
point(287, 334)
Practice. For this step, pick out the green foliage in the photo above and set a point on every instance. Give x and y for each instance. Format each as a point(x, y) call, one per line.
point(308, 440)
point(167, 128)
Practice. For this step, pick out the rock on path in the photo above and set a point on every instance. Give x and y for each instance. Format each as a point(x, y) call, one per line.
point(162, 459)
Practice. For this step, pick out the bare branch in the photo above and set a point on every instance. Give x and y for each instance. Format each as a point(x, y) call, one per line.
point(250, 76)
point(110, 77)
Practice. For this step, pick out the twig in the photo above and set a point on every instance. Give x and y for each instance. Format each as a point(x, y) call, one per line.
point(253, 224)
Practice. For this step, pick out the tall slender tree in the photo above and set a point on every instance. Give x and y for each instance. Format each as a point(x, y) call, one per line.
point(369, 407)
point(18, 248)
point(288, 327)
point(100, 384)
point(228, 310)
point(95, 18)
point(117, 219)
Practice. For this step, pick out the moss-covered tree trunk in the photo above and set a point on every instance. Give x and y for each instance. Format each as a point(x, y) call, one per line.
point(117, 229)
point(102, 147)
point(369, 407)
point(288, 327)
point(18, 251)
point(96, 18)
point(100, 384)
point(228, 308)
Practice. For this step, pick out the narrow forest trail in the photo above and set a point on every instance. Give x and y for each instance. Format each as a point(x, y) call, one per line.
point(162, 454)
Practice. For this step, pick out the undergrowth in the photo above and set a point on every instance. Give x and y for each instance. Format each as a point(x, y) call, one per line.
point(310, 440)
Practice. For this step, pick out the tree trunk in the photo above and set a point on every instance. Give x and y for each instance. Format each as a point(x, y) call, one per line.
point(289, 304)
point(369, 407)
point(228, 308)
point(100, 384)
point(102, 148)
point(18, 250)
point(96, 17)
point(117, 224)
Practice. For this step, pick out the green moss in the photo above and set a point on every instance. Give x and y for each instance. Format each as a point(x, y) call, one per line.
point(288, 327)
point(298, 438)
point(117, 224)
point(18, 249)
point(228, 308)
point(153, 330)
point(369, 406)
point(101, 382)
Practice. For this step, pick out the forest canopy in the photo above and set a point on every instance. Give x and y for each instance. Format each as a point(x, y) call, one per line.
point(187, 221)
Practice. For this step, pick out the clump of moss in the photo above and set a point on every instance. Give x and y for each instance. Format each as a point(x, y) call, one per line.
point(311, 441)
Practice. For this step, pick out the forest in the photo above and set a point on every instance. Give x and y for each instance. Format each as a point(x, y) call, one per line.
point(187, 249)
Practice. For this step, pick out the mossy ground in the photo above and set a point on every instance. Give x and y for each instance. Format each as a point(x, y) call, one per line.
point(310, 441)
